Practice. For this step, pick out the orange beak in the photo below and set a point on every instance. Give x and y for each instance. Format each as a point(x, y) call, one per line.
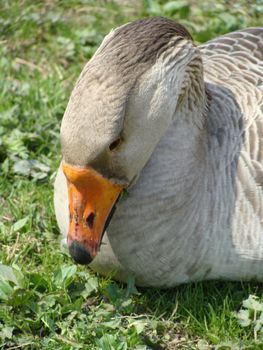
point(91, 199)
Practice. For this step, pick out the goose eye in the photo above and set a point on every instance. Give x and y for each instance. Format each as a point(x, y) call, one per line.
point(115, 144)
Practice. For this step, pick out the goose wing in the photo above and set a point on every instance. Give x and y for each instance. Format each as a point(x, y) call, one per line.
point(235, 62)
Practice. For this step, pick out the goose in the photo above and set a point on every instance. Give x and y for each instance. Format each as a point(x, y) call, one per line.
point(162, 157)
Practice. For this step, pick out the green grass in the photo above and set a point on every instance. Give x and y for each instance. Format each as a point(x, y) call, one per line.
point(46, 302)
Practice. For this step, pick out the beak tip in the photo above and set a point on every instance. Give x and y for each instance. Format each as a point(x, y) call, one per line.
point(79, 253)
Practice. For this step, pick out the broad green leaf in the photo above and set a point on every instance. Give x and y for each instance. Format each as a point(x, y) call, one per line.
point(5, 166)
point(91, 286)
point(7, 274)
point(20, 224)
point(64, 274)
point(243, 317)
point(47, 302)
point(5, 290)
point(22, 167)
point(252, 303)
point(31, 167)
point(139, 325)
point(6, 332)
point(113, 324)
point(111, 342)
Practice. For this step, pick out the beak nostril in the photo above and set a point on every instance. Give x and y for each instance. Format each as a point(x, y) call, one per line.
point(79, 253)
point(90, 220)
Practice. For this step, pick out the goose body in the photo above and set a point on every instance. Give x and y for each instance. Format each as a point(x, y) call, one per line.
point(190, 121)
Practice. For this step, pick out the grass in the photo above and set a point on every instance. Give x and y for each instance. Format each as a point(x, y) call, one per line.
point(46, 302)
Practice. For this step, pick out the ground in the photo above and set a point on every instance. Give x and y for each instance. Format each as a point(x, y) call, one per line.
point(47, 302)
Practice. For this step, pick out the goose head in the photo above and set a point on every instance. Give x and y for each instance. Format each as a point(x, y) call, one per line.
point(124, 101)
